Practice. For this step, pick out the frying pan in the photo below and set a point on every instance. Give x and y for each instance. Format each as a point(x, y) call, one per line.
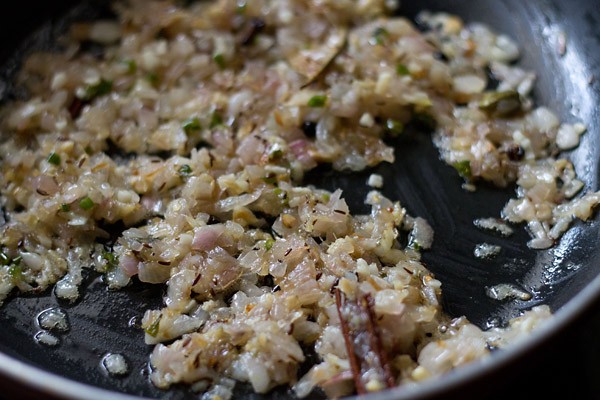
point(565, 277)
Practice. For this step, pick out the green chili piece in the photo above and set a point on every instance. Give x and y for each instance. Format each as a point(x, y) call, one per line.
point(269, 244)
point(402, 70)
point(463, 168)
point(379, 35)
point(270, 179)
point(111, 259)
point(4, 259)
point(219, 59)
point(54, 159)
point(152, 330)
point(317, 101)
point(185, 170)
point(394, 127)
point(215, 120)
point(191, 125)
point(503, 104)
point(86, 203)
point(99, 89)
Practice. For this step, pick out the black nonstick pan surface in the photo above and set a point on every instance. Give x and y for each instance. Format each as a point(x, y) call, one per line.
point(565, 277)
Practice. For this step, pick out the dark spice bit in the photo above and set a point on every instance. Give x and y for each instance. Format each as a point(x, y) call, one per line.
point(438, 55)
point(266, 280)
point(363, 340)
point(75, 108)
point(335, 285)
point(515, 152)
point(197, 279)
point(309, 128)
point(252, 28)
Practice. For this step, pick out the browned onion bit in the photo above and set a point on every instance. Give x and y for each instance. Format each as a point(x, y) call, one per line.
point(363, 341)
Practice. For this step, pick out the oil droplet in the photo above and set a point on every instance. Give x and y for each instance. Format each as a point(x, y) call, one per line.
point(53, 319)
point(135, 323)
point(115, 364)
point(46, 338)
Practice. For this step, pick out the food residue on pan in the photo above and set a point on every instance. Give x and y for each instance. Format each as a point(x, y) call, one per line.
point(115, 364)
point(46, 338)
point(495, 225)
point(486, 250)
point(53, 319)
point(176, 156)
point(505, 291)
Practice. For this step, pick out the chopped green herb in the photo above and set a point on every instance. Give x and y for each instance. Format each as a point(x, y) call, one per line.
point(111, 259)
point(414, 245)
point(241, 7)
point(317, 101)
point(14, 266)
point(270, 179)
point(379, 35)
point(269, 244)
point(4, 259)
point(16, 272)
point(54, 159)
point(463, 168)
point(503, 103)
point(152, 330)
point(219, 59)
point(215, 120)
point(275, 154)
point(185, 170)
point(402, 69)
point(153, 78)
point(65, 208)
point(86, 203)
point(282, 196)
point(394, 127)
point(191, 125)
point(99, 89)
point(131, 66)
